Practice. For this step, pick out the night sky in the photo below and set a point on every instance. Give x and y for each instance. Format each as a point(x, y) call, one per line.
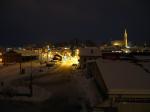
point(35, 21)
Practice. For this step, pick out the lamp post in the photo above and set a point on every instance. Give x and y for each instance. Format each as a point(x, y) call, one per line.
point(48, 49)
point(47, 55)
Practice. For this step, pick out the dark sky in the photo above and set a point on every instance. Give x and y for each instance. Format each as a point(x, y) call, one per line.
point(27, 21)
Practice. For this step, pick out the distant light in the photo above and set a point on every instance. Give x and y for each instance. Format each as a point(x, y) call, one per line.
point(127, 46)
point(116, 44)
point(126, 50)
point(1, 59)
point(117, 51)
point(77, 52)
point(75, 60)
point(8, 49)
point(66, 48)
point(49, 49)
point(65, 57)
point(47, 46)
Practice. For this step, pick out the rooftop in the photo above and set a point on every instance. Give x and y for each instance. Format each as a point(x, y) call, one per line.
point(90, 51)
point(125, 76)
point(26, 52)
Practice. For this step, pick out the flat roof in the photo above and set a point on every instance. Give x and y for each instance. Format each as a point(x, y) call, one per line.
point(26, 52)
point(125, 77)
point(90, 51)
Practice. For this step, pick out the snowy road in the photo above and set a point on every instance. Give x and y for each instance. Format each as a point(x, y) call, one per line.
point(58, 88)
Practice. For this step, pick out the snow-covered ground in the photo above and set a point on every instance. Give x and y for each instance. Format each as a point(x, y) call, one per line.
point(62, 86)
point(125, 75)
point(42, 80)
point(10, 75)
point(12, 72)
point(88, 89)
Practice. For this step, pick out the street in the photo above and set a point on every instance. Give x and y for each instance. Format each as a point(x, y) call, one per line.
point(55, 89)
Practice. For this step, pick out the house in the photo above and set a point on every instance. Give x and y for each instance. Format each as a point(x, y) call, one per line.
point(11, 57)
point(14, 56)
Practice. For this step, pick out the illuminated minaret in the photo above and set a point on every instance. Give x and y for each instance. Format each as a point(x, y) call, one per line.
point(126, 38)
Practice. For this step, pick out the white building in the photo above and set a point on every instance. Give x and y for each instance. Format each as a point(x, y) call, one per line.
point(88, 53)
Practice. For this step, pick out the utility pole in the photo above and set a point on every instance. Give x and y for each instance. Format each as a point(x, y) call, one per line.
point(20, 62)
point(30, 86)
point(47, 55)
point(20, 67)
point(47, 52)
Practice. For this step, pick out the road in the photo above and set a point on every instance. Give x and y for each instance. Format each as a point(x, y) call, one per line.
point(66, 94)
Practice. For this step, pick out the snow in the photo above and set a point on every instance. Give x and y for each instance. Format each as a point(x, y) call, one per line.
point(11, 74)
point(27, 52)
point(125, 76)
point(142, 57)
point(88, 88)
point(37, 96)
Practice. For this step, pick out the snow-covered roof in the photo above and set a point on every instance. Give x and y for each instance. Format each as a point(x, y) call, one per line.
point(26, 52)
point(143, 57)
point(125, 77)
point(90, 51)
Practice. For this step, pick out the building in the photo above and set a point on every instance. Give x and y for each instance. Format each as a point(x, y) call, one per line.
point(123, 86)
point(1, 55)
point(14, 56)
point(88, 53)
point(11, 57)
point(27, 55)
point(121, 43)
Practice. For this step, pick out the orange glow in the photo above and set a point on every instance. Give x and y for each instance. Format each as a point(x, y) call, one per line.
point(1, 59)
point(117, 43)
point(77, 52)
point(126, 50)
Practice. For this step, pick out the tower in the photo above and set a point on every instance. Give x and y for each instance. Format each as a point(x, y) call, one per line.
point(126, 38)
